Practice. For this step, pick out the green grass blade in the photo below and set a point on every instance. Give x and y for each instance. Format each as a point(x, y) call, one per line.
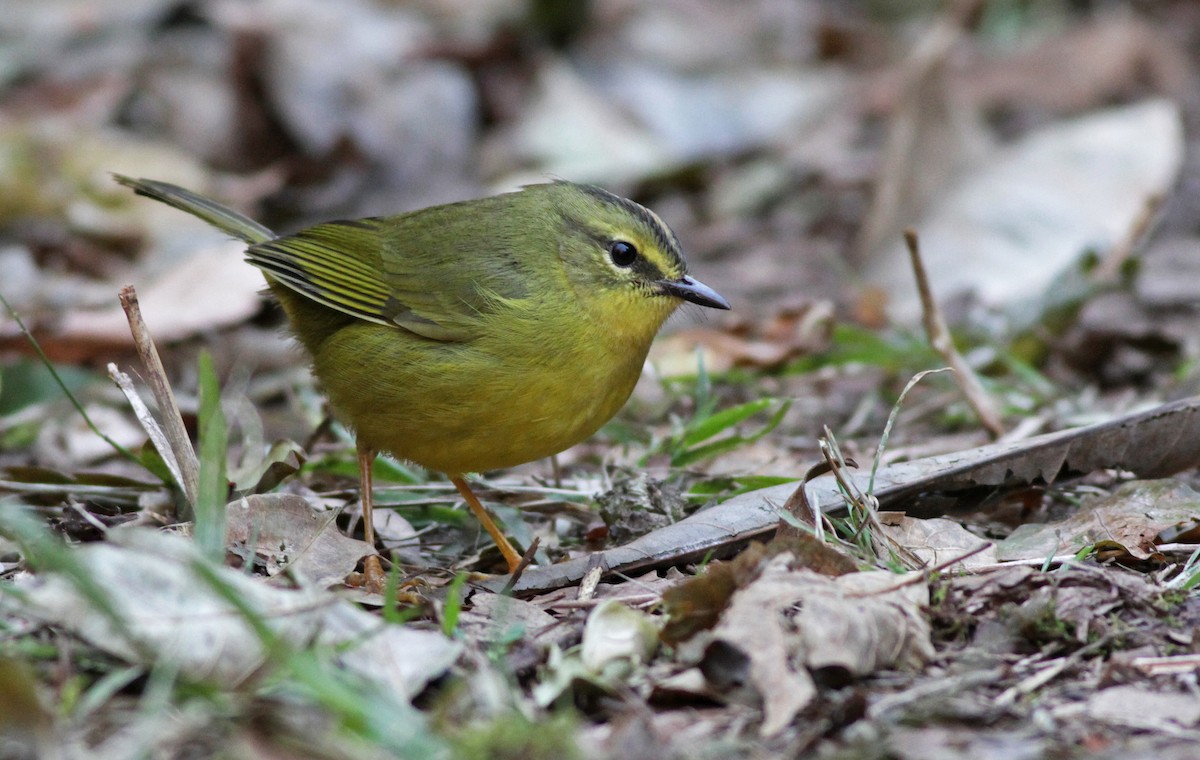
point(454, 601)
point(37, 347)
point(214, 486)
point(723, 420)
point(695, 453)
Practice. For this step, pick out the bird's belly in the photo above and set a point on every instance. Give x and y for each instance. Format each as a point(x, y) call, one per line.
point(459, 408)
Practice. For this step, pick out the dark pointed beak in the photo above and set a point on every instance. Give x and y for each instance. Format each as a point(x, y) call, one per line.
point(693, 290)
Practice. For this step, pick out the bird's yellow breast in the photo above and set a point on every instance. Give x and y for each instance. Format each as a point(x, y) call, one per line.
point(546, 376)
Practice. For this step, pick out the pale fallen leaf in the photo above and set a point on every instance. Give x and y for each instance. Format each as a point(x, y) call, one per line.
point(168, 610)
point(68, 440)
point(392, 529)
point(938, 540)
point(571, 130)
point(930, 740)
point(400, 659)
point(615, 124)
point(1128, 521)
point(171, 611)
point(289, 535)
point(617, 638)
point(495, 617)
point(1027, 214)
point(282, 460)
point(1136, 706)
point(790, 621)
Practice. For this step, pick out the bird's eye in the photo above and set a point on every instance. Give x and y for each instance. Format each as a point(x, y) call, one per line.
point(622, 254)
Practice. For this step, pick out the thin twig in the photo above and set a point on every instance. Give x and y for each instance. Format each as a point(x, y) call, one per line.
point(156, 377)
point(88, 517)
point(923, 574)
point(1034, 682)
point(591, 579)
point(75, 489)
point(1171, 665)
point(153, 429)
point(526, 560)
point(939, 338)
point(1051, 671)
point(1056, 560)
point(633, 601)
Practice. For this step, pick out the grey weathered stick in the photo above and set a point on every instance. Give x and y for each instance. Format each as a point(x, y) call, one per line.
point(158, 438)
point(156, 376)
point(939, 338)
point(1151, 444)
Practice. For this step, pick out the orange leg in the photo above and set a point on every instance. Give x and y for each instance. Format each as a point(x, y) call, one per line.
point(366, 458)
point(372, 569)
point(510, 554)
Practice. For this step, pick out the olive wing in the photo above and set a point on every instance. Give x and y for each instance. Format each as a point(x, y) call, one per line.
point(435, 273)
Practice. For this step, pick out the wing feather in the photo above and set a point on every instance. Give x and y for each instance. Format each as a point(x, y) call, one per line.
point(438, 272)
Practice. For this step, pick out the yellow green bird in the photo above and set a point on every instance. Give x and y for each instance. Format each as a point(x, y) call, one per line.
point(476, 335)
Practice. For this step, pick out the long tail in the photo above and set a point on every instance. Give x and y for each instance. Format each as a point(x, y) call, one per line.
point(224, 219)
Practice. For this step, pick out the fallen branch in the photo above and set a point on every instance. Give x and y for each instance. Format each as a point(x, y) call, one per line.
point(1150, 444)
point(943, 343)
point(156, 377)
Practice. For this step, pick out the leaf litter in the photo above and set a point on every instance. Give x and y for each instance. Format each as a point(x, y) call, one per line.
point(1075, 638)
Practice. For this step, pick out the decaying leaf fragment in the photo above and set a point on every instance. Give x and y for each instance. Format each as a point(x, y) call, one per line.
point(1127, 522)
point(938, 540)
point(617, 638)
point(697, 604)
point(789, 623)
point(165, 604)
point(287, 535)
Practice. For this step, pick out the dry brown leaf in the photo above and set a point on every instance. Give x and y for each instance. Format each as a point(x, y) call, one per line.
point(938, 540)
point(751, 632)
point(1137, 706)
point(173, 612)
point(1127, 522)
point(289, 535)
point(863, 622)
point(697, 605)
point(790, 621)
